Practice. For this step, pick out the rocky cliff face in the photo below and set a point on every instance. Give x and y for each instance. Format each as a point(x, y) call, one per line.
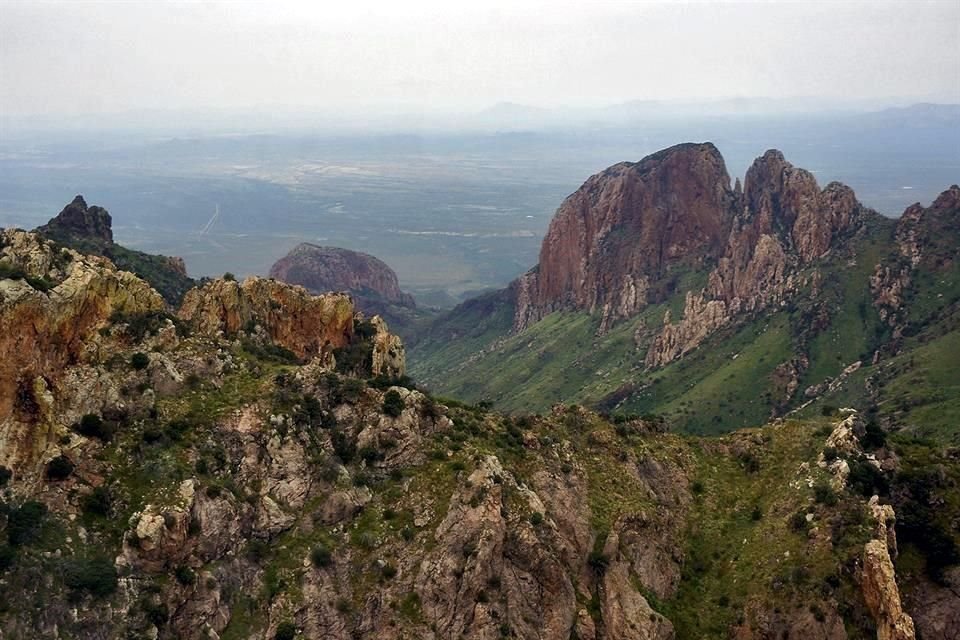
point(614, 239)
point(612, 244)
point(49, 319)
point(323, 269)
point(292, 318)
point(925, 240)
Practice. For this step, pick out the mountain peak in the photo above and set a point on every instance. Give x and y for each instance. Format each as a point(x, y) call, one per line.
point(615, 238)
point(78, 221)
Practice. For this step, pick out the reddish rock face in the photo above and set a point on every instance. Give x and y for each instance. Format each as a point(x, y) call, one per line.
point(323, 269)
point(611, 244)
point(615, 236)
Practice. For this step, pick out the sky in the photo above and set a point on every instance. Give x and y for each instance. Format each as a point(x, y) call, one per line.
point(61, 59)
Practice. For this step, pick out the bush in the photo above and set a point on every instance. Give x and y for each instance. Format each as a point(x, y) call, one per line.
point(756, 514)
point(598, 560)
point(750, 462)
point(823, 493)
point(23, 522)
point(536, 518)
point(828, 410)
point(285, 631)
point(320, 556)
point(97, 503)
point(229, 277)
point(185, 575)
point(5, 475)
point(59, 468)
point(7, 555)
point(393, 403)
point(93, 426)
point(830, 454)
point(96, 576)
point(874, 437)
point(866, 479)
point(798, 521)
point(139, 361)
point(343, 445)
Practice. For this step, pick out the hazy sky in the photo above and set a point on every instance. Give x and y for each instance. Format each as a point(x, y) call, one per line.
point(100, 57)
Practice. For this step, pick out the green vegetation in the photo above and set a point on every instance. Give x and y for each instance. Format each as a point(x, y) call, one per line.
point(139, 361)
point(393, 403)
point(96, 576)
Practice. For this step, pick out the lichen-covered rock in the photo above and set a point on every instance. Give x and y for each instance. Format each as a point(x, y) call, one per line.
point(882, 595)
point(42, 332)
point(389, 358)
point(292, 318)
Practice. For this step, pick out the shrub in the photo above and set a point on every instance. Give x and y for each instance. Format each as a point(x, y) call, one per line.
point(59, 468)
point(5, 475)
point(7, 555)
point(830, 454)
point(388, 571)
point(320, 556)
point(285, 631)
point(750, 462)
point(393, 403)
point(827, 410)
point(185, 575)
point(343, 445)
point(93, 426)
point(97, 503)
point(229, 277)
point(823, 493)
point(874, 437)
point(756, 514)
point(798, 521)
point(536, 518)
point(23, 522)
point(866, 479)
point(598, 560)
point(139, 361)
point(96, 576)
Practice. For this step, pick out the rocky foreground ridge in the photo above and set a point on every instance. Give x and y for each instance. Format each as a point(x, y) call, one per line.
point(256, 466)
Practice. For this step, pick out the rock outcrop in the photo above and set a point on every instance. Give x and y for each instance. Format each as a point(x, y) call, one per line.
point(614, 245)
point(322, 269)
point(292, 318)
point(77, 220)
point(925, 239)
point(615, 238)
point(49, 320)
